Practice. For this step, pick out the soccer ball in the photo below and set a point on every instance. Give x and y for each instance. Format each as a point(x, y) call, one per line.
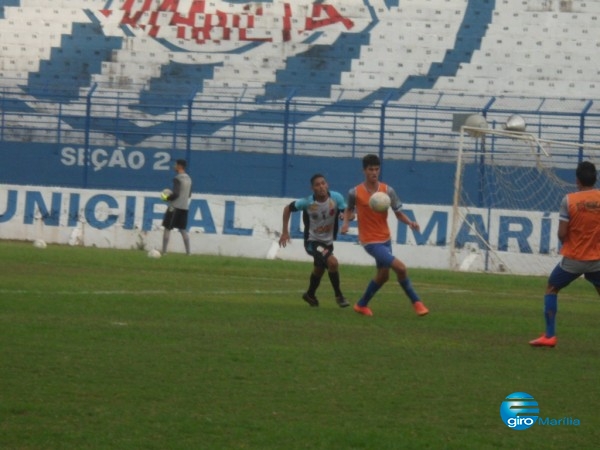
point(379, 202)
point(155, 254)
point(39, 243)
point(165, 194)
point(476, 121)
point(515, 123)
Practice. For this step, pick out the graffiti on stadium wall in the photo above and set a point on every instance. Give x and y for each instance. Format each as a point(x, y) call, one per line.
point(160, 54)
point(175, 49)
point(199, 22)
point(250, 226)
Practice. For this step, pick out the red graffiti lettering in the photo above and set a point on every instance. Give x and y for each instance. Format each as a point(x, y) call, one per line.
point(202, 26)
point(333, 16)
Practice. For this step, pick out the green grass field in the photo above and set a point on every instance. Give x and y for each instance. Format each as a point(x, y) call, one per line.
point(109, 349)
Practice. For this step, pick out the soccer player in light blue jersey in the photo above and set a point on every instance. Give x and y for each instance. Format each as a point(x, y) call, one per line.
point(320, 214)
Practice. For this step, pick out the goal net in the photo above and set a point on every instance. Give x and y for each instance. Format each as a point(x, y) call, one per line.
point(508, 189)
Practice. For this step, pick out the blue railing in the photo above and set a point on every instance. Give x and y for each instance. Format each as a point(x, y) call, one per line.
point(421, 126)
point(241, 122)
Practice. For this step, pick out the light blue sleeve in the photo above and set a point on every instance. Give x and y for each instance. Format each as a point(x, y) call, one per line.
point(302, 204)
point(339, 199)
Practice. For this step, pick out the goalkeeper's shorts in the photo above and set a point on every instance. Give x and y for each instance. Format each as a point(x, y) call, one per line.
point(175, 218)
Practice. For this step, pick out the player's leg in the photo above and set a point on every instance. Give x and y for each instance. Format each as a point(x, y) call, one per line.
point(180, 222)
point(315, 279)
point(380, 278)
point(165, 240)
point(332, 265)
point(334, 275)
point(551, 308)
point(167, 223)
point(594, 278)
point(319, 265)
point(382, 254)
point(186, 240)
point(558, 279)
point(402, 275)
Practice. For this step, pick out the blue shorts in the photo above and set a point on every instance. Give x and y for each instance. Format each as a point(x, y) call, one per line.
point(382, 252)
point(560, 278)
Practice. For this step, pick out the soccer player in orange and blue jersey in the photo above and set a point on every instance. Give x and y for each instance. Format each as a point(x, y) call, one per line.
point(579, 232)
point(374, 234)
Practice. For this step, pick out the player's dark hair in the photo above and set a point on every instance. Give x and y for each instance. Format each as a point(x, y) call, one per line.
point(181, 162)
point(315, 176)
point(371, 160)
point(586, 173)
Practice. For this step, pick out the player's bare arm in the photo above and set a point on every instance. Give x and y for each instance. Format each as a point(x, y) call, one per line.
point(285, 234)
point(349, 212)
point(404, 219)
point(348, 216)
point(563, 230)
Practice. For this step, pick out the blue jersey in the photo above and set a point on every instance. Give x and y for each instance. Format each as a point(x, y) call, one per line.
point(320, 218)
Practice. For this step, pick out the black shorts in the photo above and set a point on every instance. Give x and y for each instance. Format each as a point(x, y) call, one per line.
point(175, 218)
point(319, 251)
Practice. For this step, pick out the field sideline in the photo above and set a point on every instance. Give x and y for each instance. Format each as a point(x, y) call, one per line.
point(109, 349)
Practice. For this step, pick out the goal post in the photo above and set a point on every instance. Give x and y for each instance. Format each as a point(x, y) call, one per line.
point(507, 192)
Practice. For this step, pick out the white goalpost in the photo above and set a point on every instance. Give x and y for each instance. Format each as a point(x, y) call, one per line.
point(507, 192)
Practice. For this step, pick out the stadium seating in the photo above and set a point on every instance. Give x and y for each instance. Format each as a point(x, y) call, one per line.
point(450, 47)
point(316, 51)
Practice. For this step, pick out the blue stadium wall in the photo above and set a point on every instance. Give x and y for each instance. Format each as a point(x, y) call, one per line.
point(220, 173)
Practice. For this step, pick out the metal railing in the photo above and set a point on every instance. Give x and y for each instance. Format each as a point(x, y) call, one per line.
point(418, 126)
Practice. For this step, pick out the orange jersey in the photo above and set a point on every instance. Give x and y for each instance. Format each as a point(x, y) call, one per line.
point(372, 226)
point(583, 237)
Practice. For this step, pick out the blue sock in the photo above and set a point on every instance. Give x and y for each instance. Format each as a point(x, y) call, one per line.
point(372, 288)
point(408, 289)
point(550, 309)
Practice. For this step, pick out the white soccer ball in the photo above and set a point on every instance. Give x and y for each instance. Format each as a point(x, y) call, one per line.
point(155, 254)
point(39, 243)
point(515, 123)
point(379, 202)
point(476, 121)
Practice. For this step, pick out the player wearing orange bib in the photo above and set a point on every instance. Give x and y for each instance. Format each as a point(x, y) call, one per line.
point(373, 226)
point(374, 235)
point(579, 232)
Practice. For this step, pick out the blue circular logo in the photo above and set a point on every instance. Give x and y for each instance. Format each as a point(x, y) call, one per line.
point(519, 411)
